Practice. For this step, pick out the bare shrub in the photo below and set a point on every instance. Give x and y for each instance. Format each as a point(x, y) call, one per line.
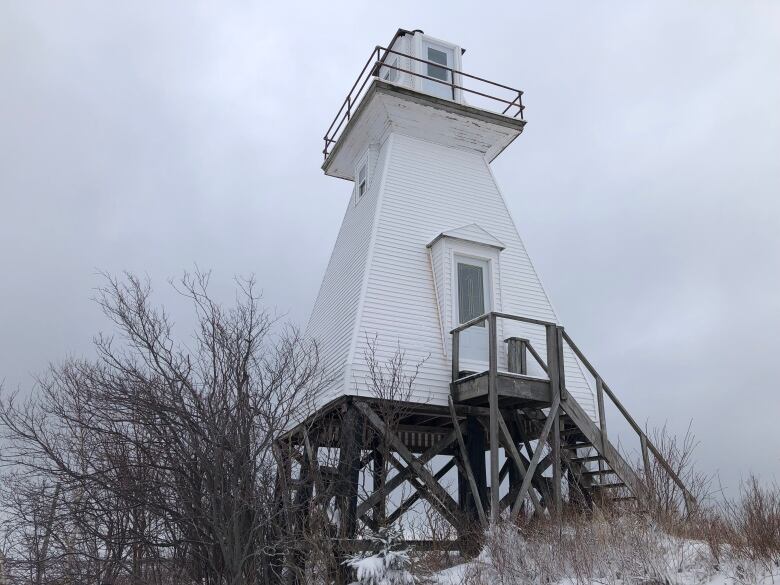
point(667, 499)
point(154, 461)
point(751, 526)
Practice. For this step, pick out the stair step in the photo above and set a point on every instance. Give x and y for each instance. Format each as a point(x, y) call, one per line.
point(599, 472)
point(586, 459)
point(604, 486)
point(571, 433)
point(577, 446)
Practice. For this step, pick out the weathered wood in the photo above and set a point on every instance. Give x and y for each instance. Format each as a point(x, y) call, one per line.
point(455, 355)
point(300, 518)
point(604, 448)
point(445, 509)
point(561, 363)
point(467, 465)
point(522, 388)
point(602, 413)
point(395, 481)
point(412, 499)
point(494, 416)
point(689, 499)
point(509, 445)
point(516, 355)
point(379, 475)
point(436, 491)
point(553, 372)
point(529, 474)
point(536, 356)
point(349, 473)
point(476, 445)
point(646, 462)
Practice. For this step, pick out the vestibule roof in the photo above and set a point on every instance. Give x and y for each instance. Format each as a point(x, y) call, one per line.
point(470, 233)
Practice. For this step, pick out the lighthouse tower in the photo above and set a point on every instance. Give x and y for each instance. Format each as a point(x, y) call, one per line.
point(505, 416)
point(427, 241)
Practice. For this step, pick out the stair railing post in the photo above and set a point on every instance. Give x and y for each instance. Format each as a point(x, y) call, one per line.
point(553, 372)
point(455, 355)
point(646, 463)
point(494, 414)
point(561, 363)
point(602, 421)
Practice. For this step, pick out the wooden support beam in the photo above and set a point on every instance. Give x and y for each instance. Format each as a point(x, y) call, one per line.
point(494, 416)
point(300, 513)
point(420, 488)
point(410, 501)
point(529, 474)
point(509, 446)
point(553, 372)
point(467, 465)
point(435, 491)
point(455, 355)
point(379, 476)
point(517, 357)
point(349, 472)
point(403, 474)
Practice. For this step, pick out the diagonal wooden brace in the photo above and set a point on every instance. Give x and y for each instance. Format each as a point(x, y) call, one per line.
point(436, 491)
point(551, 417)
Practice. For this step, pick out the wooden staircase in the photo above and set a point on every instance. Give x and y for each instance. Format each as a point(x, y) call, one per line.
point(580, 451)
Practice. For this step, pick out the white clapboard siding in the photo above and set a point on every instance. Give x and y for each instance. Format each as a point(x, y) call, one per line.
point(333, 319)
point(384, 283)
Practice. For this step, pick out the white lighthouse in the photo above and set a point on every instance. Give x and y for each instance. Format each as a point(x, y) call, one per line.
point(429, 262)
point(427, 241)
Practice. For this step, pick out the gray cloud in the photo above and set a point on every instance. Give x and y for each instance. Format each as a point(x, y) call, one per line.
point(152, 136)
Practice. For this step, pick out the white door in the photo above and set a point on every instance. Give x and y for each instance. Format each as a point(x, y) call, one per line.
point(472, 300)
point(437, 55)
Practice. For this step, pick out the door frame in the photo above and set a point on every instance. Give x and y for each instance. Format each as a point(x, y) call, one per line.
point(488, 282)
point(419, 40)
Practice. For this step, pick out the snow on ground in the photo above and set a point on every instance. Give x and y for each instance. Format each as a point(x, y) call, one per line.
point(665, 560)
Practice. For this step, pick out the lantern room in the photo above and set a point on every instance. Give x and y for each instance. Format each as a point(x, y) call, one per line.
point(425, 64)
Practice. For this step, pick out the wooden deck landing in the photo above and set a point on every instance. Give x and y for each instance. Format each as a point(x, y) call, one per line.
point(514, 390)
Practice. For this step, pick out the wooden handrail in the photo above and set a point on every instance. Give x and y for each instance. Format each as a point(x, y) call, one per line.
point(499, 315)
point(645, 441)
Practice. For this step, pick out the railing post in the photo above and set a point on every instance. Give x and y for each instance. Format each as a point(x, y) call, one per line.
point(602, 413)
point(494, 414)
point(553, 373)
point(455, 355)
point(517, 355)
point(602, 420)
point(645, 459)
point(561, 363)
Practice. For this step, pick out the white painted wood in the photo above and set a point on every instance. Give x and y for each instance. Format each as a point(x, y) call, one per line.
point(389, 108)
point(391, 274)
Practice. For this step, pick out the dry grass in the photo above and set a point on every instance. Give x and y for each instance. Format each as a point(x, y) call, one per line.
point(739, 540)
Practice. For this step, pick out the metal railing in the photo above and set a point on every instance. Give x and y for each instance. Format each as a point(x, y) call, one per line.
point(377, 61)
point(556, 340)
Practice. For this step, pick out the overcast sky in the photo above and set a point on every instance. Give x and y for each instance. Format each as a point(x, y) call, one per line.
point(154, 136)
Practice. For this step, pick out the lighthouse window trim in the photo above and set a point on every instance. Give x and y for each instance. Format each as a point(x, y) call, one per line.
point(468, 302)
point(361, 178)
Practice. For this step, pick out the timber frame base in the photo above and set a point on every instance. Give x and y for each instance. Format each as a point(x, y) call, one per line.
point(360, 464)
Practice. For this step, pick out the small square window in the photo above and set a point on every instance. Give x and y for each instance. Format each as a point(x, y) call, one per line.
point(390, 73)
point(362, 183)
